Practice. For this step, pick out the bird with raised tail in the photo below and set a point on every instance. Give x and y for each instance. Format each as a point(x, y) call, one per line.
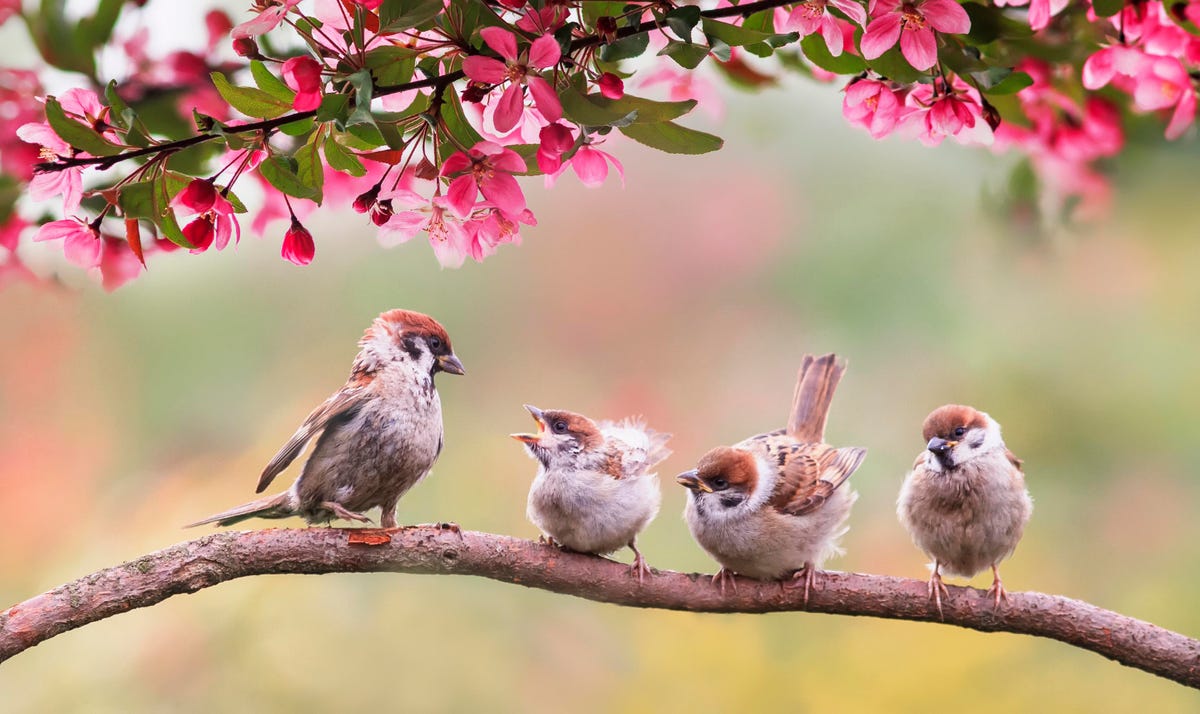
point(774, 506)
point(594, 491)
point(377, 436)
point(964, 503)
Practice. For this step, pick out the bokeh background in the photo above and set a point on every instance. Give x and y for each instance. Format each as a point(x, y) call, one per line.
point(688, 296)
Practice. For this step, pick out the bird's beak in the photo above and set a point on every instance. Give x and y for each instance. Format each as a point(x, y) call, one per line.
point(541, 422)
point(692, 481)
point(449, 363)
point(939, 445)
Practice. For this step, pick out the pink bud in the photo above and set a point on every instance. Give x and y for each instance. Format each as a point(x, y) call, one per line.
point(366, 200)
point(298, 244)
point(200, 233)
point(611, 85)
point(381, 212)
point(198, 197)
point(246, 47)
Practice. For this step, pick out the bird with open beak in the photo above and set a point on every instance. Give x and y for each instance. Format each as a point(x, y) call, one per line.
point(773, 506)
point(594, 491)
point(964, 503)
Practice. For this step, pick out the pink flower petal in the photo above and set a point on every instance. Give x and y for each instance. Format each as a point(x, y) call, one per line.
point(545, 98)
point(460, 197)
point(590, 166)
point(919, 48)
point(118, 264)
point(510, 108)
point(82, 103)
point(457, 162)
point(881, 36)
point(83, 248)
point(1184, 116)
point(1099, 69)
point(544, 52)
point(946, 16)
point(504, 192)
point(503, 42)
point(485, 69)
point(852, 10)
point(832, 34)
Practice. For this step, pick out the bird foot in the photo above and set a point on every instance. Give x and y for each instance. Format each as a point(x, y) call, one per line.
point(997, 591)
point(806, 575)
point(725, 576)
point(936, 590)
point(547, 540)
point(340, 511)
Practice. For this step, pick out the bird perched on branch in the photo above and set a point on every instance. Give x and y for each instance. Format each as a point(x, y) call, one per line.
point(377, 436)
point(964, 503)
point(594, 492)
point(775, 504)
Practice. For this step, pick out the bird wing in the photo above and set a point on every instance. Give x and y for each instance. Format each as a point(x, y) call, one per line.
point(810, 473)
point(631, 449)
point(342, 405)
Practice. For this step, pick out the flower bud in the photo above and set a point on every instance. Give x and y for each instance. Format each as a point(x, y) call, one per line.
point(298, 246)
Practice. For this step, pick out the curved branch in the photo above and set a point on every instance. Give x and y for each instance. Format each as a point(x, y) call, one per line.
point(204, 562)
point(105, 162)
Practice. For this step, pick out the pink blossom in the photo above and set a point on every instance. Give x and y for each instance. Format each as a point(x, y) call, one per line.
point(516, 69)
point(215, 223)
point(611, 85)
point(298, 246)
point(447, 236)
point(591, 166)
point(10, 231)
point(303, 74)
point(487, 168)
point(219, 26)
point(118, 264)
point(545, 21)
point(1166, 83)
point(814, 16)
point(683, 85)
point(554, 141)
point(270, 14)
point(79, 104)
point(1040, 11)
point(938, 113)
point(872, 105)
point(81, 241)
point(197, 197)
point(491, 229)
point(1115, 62)
point(913, 24)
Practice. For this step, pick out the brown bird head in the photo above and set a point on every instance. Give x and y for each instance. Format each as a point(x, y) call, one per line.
point(725, 474)
point(561, 437)
point(956, 433)
point(413, 337)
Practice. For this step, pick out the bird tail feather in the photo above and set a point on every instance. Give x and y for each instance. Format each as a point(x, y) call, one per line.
point(279, 506)
point(818, 378)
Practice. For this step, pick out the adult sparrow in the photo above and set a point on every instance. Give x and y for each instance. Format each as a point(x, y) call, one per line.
point(594, 492)
point(964, 503)
point(774, 505)
point(377, 436)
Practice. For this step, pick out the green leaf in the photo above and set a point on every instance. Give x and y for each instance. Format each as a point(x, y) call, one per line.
point(735, 36)
point(78, 135)
point(392, 65)
point(598, 110)
point(340, 159)
point(893, 66)
point(1107, 8)
point(363, 93)
point(673, 138)
point(688, 56)
point(249, 101)
point(96, 30)
point(397, 15)
point(334, 107)
point(593, 11)
point(817, 52)
point(989, 24)
point(624, 48)
point(119, 113)
point(310, 169)
point(682, 20)
point(136, 200)
point(300, 127)
point(578, 108)
point(271, 84)
point(457, 125)
point(1012, 83)
point(278, 172)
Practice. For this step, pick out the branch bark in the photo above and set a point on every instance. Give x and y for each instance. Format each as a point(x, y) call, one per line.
point(208, 561)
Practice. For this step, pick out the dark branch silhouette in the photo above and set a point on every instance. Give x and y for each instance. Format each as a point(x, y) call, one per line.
point(205, 562)
point(437, 81)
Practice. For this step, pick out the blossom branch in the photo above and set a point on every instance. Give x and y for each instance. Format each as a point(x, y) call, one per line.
point(194, 565)
point(437, 82)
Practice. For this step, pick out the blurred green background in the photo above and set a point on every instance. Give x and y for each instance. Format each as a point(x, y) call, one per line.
point(689, 297)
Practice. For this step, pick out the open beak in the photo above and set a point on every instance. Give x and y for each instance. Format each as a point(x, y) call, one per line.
point(692, 481)
point(532, 438)
point(449, 363)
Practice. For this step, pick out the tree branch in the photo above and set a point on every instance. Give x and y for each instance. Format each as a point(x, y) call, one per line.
point(204, 562)
point(436, 81)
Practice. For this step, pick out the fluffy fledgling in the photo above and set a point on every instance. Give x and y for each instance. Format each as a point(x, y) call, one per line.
point(964, 503)
point(594, 491)
point(775, 504)
point(377, 436)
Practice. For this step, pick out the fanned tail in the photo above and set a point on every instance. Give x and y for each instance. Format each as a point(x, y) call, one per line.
point(818, 378)
point(279, 506)
point(658, 451)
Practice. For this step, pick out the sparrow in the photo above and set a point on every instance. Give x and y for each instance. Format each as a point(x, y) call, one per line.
point(964, 503)
point(377, 436)
point(594, 492)
point(775, 504)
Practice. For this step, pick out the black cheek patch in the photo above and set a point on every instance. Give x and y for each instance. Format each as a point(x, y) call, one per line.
point(977, 440)
point(409, 344)
point(731, 500)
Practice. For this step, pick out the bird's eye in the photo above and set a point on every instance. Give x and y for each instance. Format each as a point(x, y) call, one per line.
point(435, 343)
point(720, 484)
point(960, 431)
point(559, 427)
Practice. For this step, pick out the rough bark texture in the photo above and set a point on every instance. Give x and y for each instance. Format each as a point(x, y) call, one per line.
point(213, 559)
